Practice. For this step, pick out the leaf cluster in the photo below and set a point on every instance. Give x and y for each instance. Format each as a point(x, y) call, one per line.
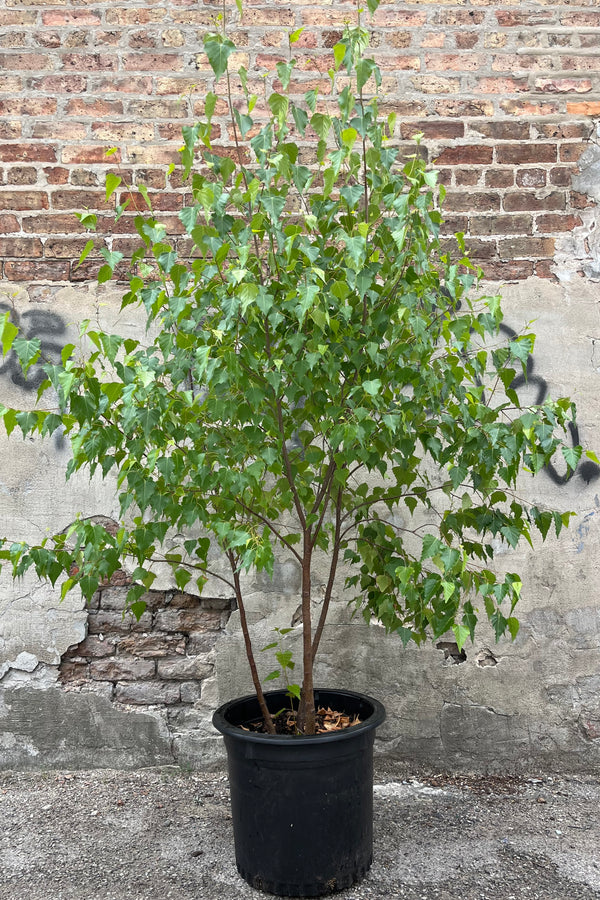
point(320, 379)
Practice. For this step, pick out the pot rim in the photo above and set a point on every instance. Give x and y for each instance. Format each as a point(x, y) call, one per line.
point(227, 729)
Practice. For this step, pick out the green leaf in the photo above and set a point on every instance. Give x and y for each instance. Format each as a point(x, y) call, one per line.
point(112, 182)
point(8, 332)
point(218, 50)
point(513, 626)
point(85, 252)
point(461, 634)
point(294, 690)
point(572, 455)
point(372, 387)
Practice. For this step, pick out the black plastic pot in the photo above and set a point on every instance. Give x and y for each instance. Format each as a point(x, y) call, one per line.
point(302, 806)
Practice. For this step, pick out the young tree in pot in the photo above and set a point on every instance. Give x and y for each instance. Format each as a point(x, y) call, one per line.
point(319, 377)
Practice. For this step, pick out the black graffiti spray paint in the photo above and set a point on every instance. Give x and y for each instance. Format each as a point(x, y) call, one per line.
point(586, 469)
point(51, 331)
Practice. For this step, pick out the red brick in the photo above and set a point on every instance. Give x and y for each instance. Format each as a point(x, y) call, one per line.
point(123, 131)
point(561, 176)
point(85, 178)
point(551, 223)
point(502, 85)
point(466, 40)
point(25, 62)
point(21, 175)
point(452, 224)
point(435, 84)
point(500, 178)
point(467, 201)
point(122, 669)
point(580, 201)
point(571, 152)
point(13, 40)
point(14, 200)
point(56, 175)
point(22, 248)
point(458, 17)
point(270, 16)
point(503, 224)
point(160, 109)
point(462, 108)
point(152, 62)
point(501, 131)
point(510, 18)
point(36, 270)
point(17, 17)
point(467, 176)
point(58, 84)
point(581, 19)
point(10, 84)
point(167, 201)
point(142, 16)
point(564, 130)
point(52, 223)
point(584, 108)
point(433, 129)
point(527, 200)
point(521, 154)
point(26, 106)
point(109, 38)
point(27, 152)
point(77, 17)
point(468, 154)
point(589, 40)
point(89, 62)
point(531, 178)
point(88, 154)
point(59, 130)
point(461, 62)
point(530, 108)
point(143, 40)
point(48, 39)
point(77, 200)
point(563, 85)
point(132, 84)
point(527, 247)
point(544, 269)
point(513, 270)
point(64, 248)
point(83, 106)
point(396, 18)
point(480, 250)
point(580, 63)
point(9, 224)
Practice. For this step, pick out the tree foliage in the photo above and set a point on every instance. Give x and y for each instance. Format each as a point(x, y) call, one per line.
point(321, 379)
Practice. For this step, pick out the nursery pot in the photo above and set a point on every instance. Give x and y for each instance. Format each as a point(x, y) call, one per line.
point(302, 805)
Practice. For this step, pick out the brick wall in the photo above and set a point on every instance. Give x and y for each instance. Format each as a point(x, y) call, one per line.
point(505, 94)
point(165, 659)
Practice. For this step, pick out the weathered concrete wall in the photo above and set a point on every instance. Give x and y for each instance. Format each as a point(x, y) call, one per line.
point(506, 96)
point(85, 687)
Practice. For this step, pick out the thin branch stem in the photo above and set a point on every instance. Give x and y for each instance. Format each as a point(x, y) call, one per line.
point(268, 719)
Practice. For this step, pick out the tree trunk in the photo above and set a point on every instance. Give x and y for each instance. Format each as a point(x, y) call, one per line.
point(306, 712)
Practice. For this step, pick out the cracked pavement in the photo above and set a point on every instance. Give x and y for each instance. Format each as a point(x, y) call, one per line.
point(166, 833)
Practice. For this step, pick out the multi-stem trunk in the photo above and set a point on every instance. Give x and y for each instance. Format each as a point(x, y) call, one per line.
point(306, 712)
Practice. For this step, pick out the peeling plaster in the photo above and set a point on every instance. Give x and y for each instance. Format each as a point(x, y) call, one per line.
point(578, 251)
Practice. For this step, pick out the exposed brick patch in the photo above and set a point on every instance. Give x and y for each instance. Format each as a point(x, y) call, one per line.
point(161, 660)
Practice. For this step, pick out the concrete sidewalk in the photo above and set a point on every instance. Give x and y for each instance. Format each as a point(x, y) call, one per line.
point(157, 834)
